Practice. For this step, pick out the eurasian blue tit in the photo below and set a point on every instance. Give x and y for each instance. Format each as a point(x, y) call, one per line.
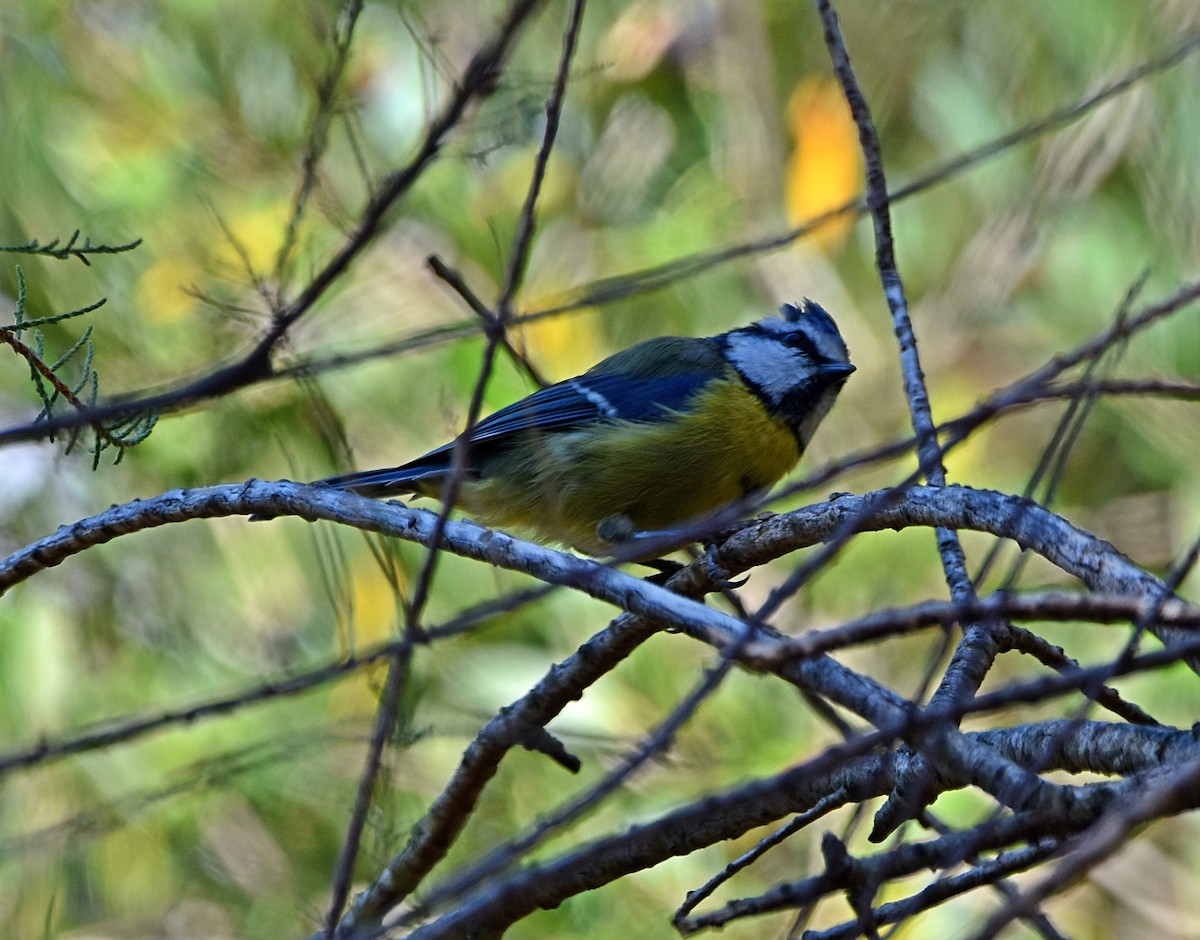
point(652, 438)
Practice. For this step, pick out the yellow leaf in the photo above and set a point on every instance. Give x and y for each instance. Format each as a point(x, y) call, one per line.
point(162, 291)
point(374, 618)
point(253, 237)
point(375, 604)
point(825, 168)
point(564, 345)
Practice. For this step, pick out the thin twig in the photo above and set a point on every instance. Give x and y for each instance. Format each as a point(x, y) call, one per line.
point(318, 135)
point(499, 324)
point(459, 285)
point(578, 806)
point(233, 377)
point(385, 720)
point(52, 249)
point(1172, 791)
point(255, 365)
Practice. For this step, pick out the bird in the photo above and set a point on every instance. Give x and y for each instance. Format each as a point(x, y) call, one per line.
point(656, 437)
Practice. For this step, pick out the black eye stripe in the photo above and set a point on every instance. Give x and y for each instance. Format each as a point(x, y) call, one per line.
point(804, 343)
point(809, 351)
point(794, 339)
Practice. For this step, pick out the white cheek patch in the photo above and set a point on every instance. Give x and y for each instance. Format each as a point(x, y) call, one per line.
point(776, 369)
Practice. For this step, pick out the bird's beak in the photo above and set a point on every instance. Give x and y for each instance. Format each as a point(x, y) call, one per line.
point(834, 371)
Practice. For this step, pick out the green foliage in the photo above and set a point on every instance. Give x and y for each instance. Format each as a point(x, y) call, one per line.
point(191, 123)
point(48, 377)
point(71, 249)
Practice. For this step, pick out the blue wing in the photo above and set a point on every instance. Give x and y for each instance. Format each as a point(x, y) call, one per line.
point(574, 403)
point(578, 402)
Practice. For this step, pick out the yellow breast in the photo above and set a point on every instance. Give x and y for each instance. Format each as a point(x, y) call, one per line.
point(659, 474)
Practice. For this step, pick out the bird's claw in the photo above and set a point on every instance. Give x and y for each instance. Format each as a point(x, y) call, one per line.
point(717, 575)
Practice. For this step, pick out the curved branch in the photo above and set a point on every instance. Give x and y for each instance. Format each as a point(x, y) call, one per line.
point(1094, 561)
point(1091, 559)
point(256, 497)
point(1048, 605)
point(842, 768)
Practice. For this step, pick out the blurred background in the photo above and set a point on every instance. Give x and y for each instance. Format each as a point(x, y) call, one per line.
point(688, 128)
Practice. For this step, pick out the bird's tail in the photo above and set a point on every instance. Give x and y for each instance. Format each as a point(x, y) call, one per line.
point(397, 481)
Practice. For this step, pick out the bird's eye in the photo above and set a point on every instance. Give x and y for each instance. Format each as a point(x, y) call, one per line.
point(798, 341)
